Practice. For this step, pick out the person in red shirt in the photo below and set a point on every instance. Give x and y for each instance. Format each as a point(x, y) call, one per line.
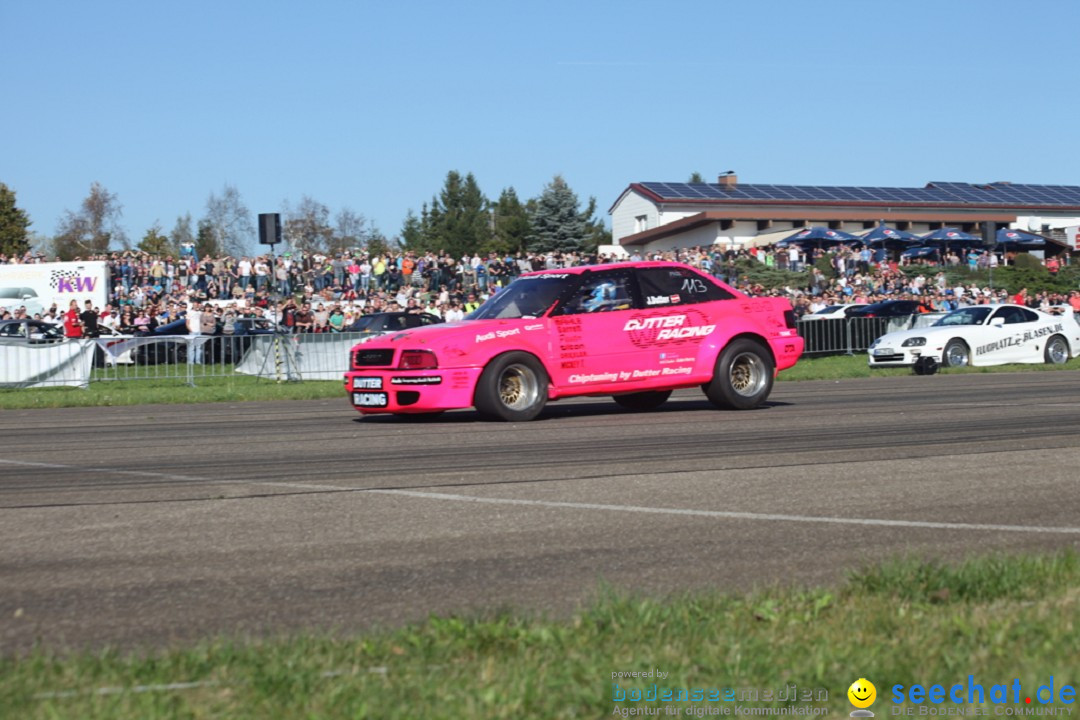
point(1021, 298)
point(72, 324)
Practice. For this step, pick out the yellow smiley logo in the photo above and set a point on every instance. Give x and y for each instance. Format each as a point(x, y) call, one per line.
point(862, 693)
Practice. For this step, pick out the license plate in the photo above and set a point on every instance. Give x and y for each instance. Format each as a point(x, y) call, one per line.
point(367, 383)
point(369, 399)
point(884, 351)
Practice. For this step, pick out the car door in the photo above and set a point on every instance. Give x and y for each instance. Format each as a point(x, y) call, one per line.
point(673, 321)
point(590, 346)
point(1014, 338)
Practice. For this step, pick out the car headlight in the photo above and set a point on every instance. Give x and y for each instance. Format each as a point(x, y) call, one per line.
point(914, 342)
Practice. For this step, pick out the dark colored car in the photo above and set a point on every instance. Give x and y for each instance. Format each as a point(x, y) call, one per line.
point(29, 332)
point(386, 322)
point(887, 309)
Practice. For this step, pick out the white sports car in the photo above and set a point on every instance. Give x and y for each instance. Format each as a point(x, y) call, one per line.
point(982, 335)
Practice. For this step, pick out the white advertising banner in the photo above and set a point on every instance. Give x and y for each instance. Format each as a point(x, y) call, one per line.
point(29, 366)
point(38, 286)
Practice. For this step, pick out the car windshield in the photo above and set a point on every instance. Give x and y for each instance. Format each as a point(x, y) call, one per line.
point(966, 316)
point(526, 297)
point(10, 293)
point(369, 323)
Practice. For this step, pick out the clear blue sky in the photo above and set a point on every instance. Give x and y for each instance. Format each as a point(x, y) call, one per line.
point(369, 105)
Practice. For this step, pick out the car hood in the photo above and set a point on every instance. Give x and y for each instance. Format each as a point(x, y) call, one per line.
point(929, 332)
point(458, 337)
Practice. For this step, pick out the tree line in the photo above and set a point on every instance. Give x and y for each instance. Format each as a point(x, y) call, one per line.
point(459, 219)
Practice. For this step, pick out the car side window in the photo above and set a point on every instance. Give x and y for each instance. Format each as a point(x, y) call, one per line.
point(426, 319)
point(1013, 315)
point(677, 286)
point(602, 292)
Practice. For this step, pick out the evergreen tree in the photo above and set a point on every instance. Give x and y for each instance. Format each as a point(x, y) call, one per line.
point(459, 216)
point(206, 241)
point(14, 239)
point(695, 177)
point(557, 224)
point(156, 242)
point(412, 233)
point(512, 226)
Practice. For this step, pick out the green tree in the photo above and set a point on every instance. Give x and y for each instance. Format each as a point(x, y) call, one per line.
point(156, 242)
point(511, 221)
point(94, 229)
point(557, 223)
point(696, 177)
point(14, 238)
point(206, 240)
point(459, 217)
point(413, 232)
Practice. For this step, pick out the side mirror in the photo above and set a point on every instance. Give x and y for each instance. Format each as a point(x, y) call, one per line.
point(998, 322)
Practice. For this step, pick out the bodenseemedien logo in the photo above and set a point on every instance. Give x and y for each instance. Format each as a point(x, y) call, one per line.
point(862, 695)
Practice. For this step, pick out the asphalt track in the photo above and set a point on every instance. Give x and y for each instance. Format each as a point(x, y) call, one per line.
point(147, 526)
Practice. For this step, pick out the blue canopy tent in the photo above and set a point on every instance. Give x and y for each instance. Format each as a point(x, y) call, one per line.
point(950, 237)
point(820, 237)
point(918, 252)
point(1012, 240)
point(887, 237)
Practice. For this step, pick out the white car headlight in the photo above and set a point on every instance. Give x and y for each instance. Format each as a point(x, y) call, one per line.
point(914, 342)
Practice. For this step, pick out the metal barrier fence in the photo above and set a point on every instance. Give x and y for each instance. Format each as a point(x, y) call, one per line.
point(182, 359)
point(310, 356)
point(847, 336)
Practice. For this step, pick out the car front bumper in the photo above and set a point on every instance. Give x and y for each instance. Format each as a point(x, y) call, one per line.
point(382, 390)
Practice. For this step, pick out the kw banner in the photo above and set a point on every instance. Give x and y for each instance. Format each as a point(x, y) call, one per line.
point(308, 356)
point(39, 286)
point(30, 366)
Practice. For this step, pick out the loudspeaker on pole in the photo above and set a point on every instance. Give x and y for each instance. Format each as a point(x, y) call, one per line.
point(269, 228)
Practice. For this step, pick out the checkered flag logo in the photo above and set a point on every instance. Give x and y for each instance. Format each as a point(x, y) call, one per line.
point(63, 281)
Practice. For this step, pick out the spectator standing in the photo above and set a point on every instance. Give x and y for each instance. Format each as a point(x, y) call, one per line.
point(89, 320)
point(72, 323)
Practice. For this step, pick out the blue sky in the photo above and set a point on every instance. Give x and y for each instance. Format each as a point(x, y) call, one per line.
point(368, 105)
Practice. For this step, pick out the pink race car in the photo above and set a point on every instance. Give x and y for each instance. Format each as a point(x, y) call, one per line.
point(635, 331)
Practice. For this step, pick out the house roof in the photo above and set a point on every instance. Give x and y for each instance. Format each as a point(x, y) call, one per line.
point(936, 194)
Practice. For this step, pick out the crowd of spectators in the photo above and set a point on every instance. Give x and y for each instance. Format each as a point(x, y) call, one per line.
point(318, 292)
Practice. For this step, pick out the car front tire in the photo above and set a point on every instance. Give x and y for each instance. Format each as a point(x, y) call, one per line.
point(1057, 351)
point(956, 354)
point(512, 388)
point(743, 376)
point(643, 401)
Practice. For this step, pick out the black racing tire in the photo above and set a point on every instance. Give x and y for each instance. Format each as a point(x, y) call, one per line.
point(1057, 351)
point(643, 401)
point(743, 376)
point(956, 354)
point(512, 388)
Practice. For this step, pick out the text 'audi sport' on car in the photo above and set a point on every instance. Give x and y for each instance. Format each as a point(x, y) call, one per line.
point(636, 331)
point(982, 335)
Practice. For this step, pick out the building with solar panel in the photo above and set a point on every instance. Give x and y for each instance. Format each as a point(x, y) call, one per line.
point(657, 216)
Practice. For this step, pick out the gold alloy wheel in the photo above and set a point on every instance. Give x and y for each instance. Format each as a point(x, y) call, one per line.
point(518, 387)
point(748, 374)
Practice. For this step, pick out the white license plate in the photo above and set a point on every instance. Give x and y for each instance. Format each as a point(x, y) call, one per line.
point(884, 351)
point(369, 399)
point(367, 383)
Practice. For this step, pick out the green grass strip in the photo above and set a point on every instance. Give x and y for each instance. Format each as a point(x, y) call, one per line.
point(903, 622)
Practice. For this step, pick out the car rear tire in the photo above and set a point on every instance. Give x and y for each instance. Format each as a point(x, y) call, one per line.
point(512, 388)
point(956, 354)
point(742, 378)
point(1057, 351)
point(643, 401)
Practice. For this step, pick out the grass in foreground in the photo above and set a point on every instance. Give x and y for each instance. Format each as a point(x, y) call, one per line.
point(243, 388)
point(906, 621)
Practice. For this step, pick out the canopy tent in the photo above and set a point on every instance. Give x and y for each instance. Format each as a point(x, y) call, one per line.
point(918, 252)
point(820, 237)
point(1019, 240)
point(889, 238)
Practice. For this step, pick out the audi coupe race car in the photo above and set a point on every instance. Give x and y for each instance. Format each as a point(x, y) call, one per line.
point(982, 335)
point(635, 331)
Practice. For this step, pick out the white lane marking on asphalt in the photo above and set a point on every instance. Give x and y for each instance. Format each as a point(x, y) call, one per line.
point(114, 471)
point(730, 514)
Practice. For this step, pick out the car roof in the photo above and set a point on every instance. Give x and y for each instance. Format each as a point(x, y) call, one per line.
point(581, 269)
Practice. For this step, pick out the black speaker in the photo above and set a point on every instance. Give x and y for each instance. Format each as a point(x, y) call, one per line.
point(989, 233)
point(269, 228)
